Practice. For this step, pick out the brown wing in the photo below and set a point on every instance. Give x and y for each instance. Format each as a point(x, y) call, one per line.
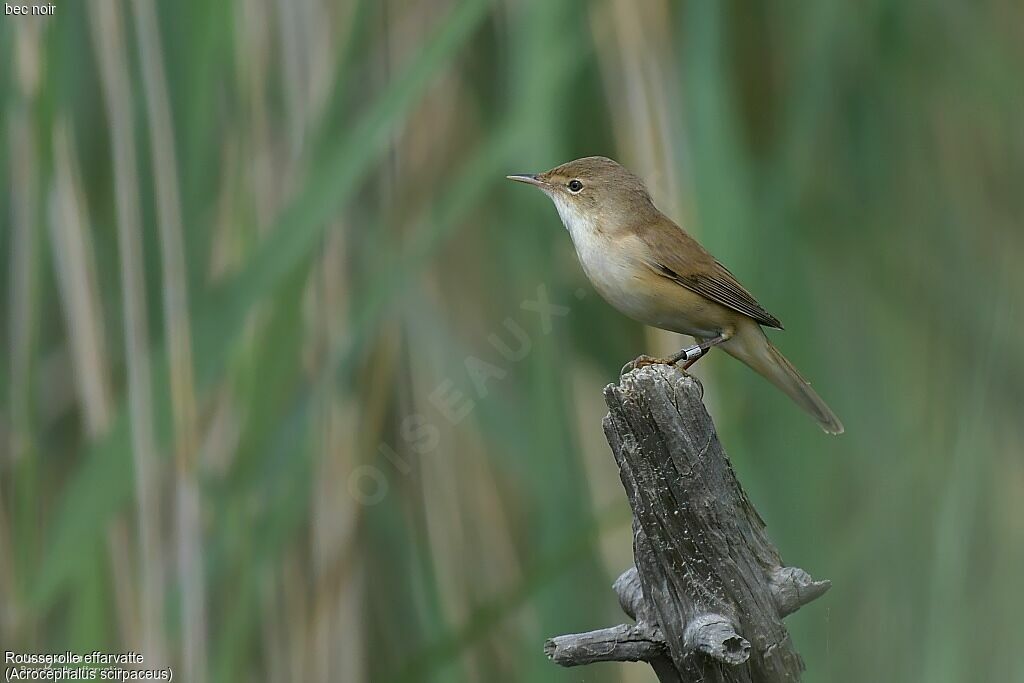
point(683, 260)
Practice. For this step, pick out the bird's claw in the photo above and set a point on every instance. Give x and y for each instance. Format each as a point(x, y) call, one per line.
point(641, 362)
point(645, 360)
point(700, 385)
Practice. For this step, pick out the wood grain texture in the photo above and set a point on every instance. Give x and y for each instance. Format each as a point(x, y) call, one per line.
point(709, 589)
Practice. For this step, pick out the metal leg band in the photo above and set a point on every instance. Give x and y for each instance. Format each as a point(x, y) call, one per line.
point(693, 353)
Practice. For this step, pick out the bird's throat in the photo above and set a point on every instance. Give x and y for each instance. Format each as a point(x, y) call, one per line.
point(582, 227)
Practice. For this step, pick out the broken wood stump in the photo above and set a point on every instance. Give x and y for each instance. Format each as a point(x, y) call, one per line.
point(709, 590)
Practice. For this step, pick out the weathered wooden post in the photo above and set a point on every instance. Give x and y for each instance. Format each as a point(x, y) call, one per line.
point(709, 589)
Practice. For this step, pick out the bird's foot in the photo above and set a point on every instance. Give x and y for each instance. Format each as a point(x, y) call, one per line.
point(645, 360)
point(642, 362)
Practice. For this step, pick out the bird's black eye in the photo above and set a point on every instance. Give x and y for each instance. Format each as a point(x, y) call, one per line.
point(575, 186)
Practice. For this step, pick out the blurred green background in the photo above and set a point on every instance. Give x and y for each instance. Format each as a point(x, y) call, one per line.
point(278, 403)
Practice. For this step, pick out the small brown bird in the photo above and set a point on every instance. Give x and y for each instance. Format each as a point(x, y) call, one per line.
point(650, 269)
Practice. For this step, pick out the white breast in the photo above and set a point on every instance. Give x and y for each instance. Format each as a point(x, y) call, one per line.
point(610, 262)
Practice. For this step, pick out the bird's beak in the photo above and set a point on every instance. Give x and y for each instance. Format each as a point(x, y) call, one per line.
point(528, 178)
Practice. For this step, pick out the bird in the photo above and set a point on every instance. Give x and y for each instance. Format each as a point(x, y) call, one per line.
point(650, 269)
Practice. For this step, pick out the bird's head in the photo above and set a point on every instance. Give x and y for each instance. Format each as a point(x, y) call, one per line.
point(593, 193)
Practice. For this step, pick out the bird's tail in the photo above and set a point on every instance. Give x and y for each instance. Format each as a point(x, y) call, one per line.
point(751, 346)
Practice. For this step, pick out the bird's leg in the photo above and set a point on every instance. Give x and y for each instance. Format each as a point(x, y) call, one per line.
point(690, 354)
